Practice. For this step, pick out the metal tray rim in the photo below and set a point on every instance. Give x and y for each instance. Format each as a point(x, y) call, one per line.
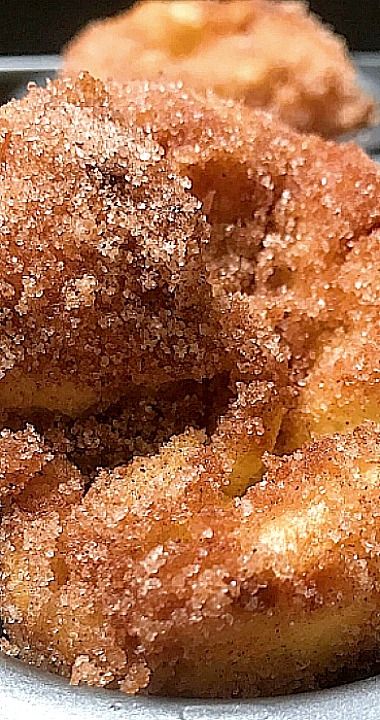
point(51, 63)
point(40, 695)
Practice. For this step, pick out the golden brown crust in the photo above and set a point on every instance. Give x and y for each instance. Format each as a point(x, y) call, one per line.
point(279, 57)
point(257, 587)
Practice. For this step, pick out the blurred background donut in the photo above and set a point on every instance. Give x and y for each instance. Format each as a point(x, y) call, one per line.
point(40, 27)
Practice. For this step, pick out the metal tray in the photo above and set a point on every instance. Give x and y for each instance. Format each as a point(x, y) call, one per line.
point(16, 72)
point(26, 692)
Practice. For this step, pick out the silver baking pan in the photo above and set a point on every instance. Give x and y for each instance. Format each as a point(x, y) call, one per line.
point(17, 71)
point(27, 693)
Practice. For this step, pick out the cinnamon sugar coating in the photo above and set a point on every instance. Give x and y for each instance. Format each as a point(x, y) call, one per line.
point(296, 205)
point(298, 232)
point(102, 279)
point(150, 542)
point(271, 55)
point(157, 581)
point(121, 254)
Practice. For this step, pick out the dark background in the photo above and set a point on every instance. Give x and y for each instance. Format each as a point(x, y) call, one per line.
point(32, 26)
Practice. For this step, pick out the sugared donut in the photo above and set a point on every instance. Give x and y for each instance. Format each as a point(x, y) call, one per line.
point(271, 55)
point(152, 543)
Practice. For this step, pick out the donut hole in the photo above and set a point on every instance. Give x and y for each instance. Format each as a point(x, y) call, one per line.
point(241, 421)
